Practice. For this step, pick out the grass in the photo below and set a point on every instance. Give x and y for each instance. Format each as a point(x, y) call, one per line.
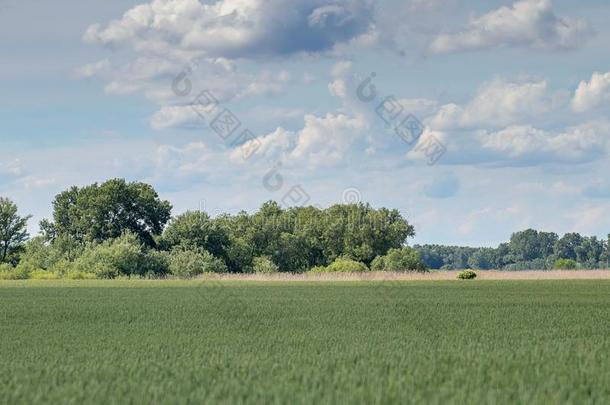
point(173, 342)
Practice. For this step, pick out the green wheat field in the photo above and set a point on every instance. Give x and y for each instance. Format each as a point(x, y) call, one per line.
point(181, 342)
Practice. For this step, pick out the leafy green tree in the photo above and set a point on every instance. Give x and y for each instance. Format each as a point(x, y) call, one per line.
point(13, 230)
point(362, 233)
point(483, 259)
point(101, 212)
point(404, 259)
point(531, 244)
point(567, 246)
point(196, 229)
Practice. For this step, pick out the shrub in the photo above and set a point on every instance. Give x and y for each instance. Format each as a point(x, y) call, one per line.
point(404, 259)
point(565, 264)
point(318, 269)
point(78, 275)
point(44, 275)
point(184, 262)
point(378, 264)
point(7, 272)
point(342, 265)
point(264, 265)
point(122, 256)
point(467, 275)
point(62, 267)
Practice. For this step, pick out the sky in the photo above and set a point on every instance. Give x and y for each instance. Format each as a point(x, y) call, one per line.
point(474, 118)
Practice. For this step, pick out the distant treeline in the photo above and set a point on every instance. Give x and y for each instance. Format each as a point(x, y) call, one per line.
point(529, 249)
point(119, 229)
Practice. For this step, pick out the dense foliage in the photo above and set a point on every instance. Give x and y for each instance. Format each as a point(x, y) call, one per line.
point(467, 275)
point(12, 231)
point(397, 260)
point(123, 229)
point(100, 212)
point(526, 250)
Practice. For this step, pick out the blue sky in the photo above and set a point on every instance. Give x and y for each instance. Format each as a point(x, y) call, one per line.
point(517, 92)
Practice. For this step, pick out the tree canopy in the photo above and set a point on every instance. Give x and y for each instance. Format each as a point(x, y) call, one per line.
point(105, 211)
point(13, 232)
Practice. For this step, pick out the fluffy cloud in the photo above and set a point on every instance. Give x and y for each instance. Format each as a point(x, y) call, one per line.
point(179, 116)
point(528, 23)
point(499, 103)
point(322, 142)
point(592, 94)
point(93, 69)
point(528, 145)
point(236, 28)
point(519, 145)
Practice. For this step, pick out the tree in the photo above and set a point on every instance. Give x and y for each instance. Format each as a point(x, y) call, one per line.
point(13, 231)
point(97, 213)
point(483, 259)
point(196, 229)
point(567, 246)
point(530, 244)
point(405, 259)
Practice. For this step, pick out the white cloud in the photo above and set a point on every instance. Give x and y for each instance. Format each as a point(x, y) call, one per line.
point(529, 145)
point(93, 69)
point(527, 23)
point(499, 103)
point(341, 68)
point(235, 28)
point(519, 145)
point(322, 142)
point(592, 94)
point(182, 116)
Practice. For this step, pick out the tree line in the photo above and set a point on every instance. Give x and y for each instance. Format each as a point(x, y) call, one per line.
point(119, 228)
point(529, 249)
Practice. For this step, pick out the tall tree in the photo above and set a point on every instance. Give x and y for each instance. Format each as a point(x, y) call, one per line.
point(196, 229)
point(100, 212)
point(567, 246)
point(13, 231)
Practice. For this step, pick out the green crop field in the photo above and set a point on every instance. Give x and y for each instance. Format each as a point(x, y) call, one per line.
point(172, 342)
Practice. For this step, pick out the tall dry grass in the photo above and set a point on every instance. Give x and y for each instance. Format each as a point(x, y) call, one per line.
point(434, 275)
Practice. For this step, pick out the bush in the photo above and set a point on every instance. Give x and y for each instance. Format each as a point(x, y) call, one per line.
point(78, 275)
point(565, 264)
point(467, 275)
point(264, 265)
point(378, 264)
point(342, 265)
point(124, 256)
point(7, 272)
point(184, 262)
point(44, 275)
point(41, 255)
point(404, 259)
point(62, 267)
